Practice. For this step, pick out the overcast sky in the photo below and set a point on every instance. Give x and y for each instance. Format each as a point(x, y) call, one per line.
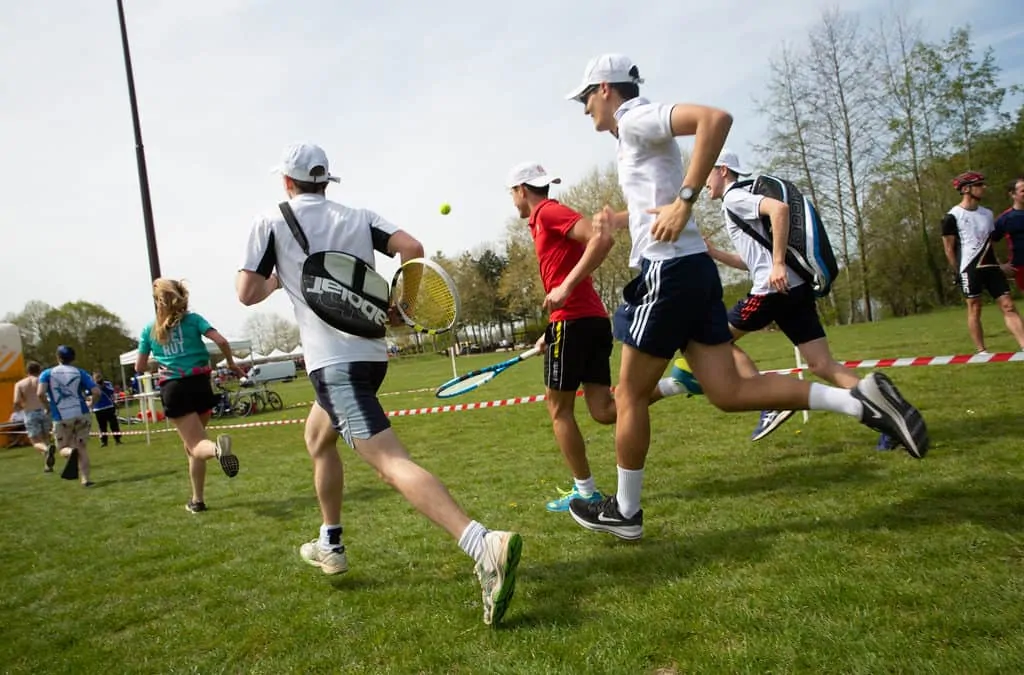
point(416, 103)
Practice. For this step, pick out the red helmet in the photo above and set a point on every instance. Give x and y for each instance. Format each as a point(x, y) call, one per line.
point(968, 179)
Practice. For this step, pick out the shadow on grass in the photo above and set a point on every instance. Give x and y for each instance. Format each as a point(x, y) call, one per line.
point(559, 598)
point(799, 479)
point(138, 478)
point(961, 433)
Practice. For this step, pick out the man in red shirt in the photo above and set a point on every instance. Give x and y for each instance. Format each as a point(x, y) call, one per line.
point(578, 339)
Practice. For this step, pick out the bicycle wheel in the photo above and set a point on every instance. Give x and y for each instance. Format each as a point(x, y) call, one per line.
point(258, 402)
point(243, 406)
point(274, 400)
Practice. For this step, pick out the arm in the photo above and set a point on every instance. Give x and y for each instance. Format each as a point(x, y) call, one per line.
point(225, 349)
point(778, 214)
point(598, 244)
point(253, 288)
point(404, 245)
point(710, 127)
point(731, 259)
point(949, 246)
point(19, 398)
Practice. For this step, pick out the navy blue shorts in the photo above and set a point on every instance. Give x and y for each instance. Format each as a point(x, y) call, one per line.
point(671, 303)
point(348, 392)
point(794, 313)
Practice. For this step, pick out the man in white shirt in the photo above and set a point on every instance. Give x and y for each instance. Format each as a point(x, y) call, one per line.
point(675, 304)
point(777, 293)
point(347, 370)
point(967, 231)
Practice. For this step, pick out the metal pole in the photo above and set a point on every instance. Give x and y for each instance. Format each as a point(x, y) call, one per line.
point(140, 154)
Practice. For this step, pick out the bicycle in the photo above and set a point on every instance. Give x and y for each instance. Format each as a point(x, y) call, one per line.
point(232, 403)
point(263, 397)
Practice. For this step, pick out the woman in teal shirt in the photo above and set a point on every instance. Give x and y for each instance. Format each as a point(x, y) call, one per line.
point(175, 341)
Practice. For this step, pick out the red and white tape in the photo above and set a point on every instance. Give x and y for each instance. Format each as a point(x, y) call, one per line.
point(952, 360)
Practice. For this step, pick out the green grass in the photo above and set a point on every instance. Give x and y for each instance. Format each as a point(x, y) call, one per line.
point(808, 551)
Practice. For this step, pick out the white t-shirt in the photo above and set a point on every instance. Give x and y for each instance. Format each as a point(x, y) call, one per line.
point(329, 226)
point(745, 204)
point(973, 230)
point(650, 174)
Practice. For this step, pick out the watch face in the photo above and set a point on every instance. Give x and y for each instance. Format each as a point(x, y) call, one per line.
point(687, 194)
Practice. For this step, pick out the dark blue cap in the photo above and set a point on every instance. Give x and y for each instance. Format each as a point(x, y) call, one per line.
point(65, 354)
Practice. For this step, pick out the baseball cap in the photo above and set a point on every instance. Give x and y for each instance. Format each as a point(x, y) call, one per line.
point(731, 161)
point(300, 161)
point(605, 68)
point(530, 173)
point(65, 354)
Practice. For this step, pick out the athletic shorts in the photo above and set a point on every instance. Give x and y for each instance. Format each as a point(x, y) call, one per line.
point(1018, 275)
point(348, 392)
point(976, 281)
point(73, 433)
point(795, 314)
point(186, 395)
point(670, 303)
point(578, 352)
point(37, 423)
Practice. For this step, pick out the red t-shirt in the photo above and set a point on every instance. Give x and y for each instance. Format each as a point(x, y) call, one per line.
point(550, 224)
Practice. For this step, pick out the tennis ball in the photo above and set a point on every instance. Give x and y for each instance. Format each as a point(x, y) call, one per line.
point(682, 374)
point(446, 208)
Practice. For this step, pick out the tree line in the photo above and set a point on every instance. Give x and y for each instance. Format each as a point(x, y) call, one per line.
point(872, 122)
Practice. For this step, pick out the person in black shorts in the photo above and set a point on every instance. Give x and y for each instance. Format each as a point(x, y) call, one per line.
point(967, 233)
point(777, 294)
point(175, 340)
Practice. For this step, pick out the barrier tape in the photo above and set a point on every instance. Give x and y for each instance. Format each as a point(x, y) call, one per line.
point(955, 359)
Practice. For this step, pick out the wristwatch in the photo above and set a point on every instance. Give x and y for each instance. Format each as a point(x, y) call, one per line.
point(688, 194)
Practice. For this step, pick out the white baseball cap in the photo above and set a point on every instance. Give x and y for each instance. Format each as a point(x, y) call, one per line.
point(731, 161)
point(605, 68)
point(532, 174)
point(300, 162)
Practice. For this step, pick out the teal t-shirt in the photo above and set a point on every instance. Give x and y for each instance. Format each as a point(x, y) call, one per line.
point(185, 353)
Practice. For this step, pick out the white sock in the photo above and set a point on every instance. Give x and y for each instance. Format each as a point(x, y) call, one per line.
point(326, 531)
point(834, 399)
point(585, 487)
point(631, 483)
point(669, 387)
point(472, 540)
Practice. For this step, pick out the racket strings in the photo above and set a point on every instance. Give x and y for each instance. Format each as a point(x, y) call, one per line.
point(462, 386)
point(426, 298)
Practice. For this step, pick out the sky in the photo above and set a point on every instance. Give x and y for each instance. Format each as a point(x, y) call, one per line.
point(415, 103)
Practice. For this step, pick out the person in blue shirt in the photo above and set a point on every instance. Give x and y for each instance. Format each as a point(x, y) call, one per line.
point(1010, 224)
point(175, 341)
point(65, 387)
point(105, 410)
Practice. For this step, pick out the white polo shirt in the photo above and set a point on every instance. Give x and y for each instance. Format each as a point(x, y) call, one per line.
point(650, 174)
point(746, 205)
point(329, 226)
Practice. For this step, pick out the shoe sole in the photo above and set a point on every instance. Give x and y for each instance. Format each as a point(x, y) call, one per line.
point(627, 532)
point(906, 420)
point(508, 585)
point(779, 420)
point(228, 461)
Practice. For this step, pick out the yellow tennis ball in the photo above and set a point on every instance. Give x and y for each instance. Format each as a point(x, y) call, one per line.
point(446, 209)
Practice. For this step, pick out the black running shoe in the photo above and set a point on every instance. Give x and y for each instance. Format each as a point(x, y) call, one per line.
point(195, 507)
point(604, 516)
point(51, 456)
point(885, 410)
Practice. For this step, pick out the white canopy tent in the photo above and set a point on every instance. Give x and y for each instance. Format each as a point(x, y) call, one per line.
point(297, 351)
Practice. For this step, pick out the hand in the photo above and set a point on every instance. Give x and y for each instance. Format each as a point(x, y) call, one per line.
point(395, 317)
point(779, 279)
point(1007, 269)
point(237, 370)
point(277, 281)
point(605, 221)
point(540, 344)
point(671, 220)
point(556, 298)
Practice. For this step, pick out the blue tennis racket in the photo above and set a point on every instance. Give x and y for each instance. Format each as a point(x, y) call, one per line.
point(475, 378)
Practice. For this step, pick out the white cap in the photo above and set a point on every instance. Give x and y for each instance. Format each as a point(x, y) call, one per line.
point(532, 174)
point(299, 161)
point(605, 68)
point(731, 161)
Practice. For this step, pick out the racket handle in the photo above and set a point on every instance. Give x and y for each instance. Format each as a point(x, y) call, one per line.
point(530, 352)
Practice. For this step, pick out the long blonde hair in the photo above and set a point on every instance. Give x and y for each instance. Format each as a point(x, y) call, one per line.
point(171, 298)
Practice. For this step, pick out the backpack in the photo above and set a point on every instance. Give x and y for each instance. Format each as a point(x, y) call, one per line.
point(808, 251)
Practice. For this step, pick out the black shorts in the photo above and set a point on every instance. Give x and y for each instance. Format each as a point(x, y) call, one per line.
point(976, 281)
point(186, 395)
point(794, 313)
point(670, 303)
point(578, 352)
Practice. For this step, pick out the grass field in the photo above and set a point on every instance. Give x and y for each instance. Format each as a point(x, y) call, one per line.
point(809, 551)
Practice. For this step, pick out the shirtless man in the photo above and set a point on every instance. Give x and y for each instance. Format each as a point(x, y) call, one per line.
point(37, 420)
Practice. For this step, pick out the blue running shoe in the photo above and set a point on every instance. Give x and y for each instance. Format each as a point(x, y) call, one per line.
point(566, 496)
point(886, 442)
point(770, 421)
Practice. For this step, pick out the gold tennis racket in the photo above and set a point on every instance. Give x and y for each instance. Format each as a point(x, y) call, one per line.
point(425, 296)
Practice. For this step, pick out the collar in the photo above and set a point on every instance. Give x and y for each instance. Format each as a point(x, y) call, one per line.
point(629, 105)
point(308, 197)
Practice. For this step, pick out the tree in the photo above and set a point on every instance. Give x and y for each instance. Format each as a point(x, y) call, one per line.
point(520, 289)
point(271, 331)
point(98, 335)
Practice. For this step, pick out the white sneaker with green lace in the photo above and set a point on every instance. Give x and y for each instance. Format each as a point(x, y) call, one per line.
point(497, 573)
